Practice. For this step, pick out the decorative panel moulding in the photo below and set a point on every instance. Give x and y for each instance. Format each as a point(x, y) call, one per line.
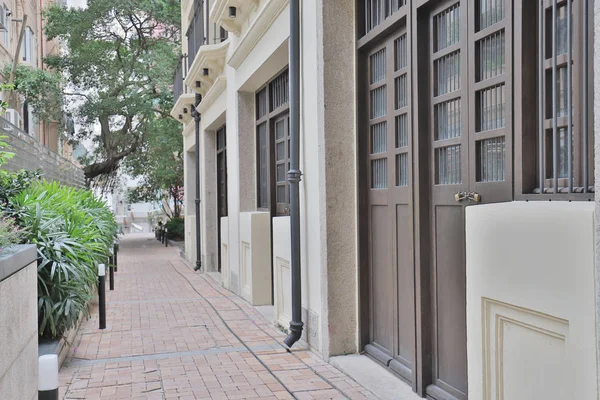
point(211, 59)
point(257, 29)
point(213, 94)
point(219, 13)
point(182, 110)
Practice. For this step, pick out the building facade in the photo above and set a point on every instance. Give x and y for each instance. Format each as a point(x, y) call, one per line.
point(447, 200)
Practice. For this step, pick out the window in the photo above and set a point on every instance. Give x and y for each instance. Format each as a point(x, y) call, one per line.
point(273, 145)
point(28, 49)
point(557, 139)
point(7, 24)
point(376, 11)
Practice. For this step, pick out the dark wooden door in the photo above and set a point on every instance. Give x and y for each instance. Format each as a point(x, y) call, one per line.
point(390, 214)
point(468, 151)
point(221, 183)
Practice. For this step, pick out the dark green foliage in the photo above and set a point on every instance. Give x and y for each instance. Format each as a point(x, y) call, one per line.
point(74, 232)
point(176, 229)
point(13, 183)
point(119, 60)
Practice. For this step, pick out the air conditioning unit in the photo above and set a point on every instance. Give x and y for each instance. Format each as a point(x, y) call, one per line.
point(13, 116)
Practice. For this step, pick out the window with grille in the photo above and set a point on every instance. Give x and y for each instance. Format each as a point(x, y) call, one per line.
point(376, 11)
point(273, 145)
point(557, 130)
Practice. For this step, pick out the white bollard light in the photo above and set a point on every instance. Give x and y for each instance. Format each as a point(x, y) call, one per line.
point(48, 377)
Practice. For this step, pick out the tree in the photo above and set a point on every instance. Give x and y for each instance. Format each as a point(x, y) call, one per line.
point(159, 165)
point(118, 60)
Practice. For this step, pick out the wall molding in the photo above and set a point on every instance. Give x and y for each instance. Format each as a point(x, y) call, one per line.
point(261, 24)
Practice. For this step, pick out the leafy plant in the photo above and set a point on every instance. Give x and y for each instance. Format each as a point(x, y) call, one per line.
point(13, 183)
point(176, 228)
point(5, 155)
point(10, 233)
point(74, 232)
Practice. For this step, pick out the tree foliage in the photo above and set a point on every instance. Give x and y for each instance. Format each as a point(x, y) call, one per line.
point(159, 165)
point(117, 65)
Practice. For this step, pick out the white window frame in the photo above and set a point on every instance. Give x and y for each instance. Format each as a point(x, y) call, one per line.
point(28, 43)
point(6, 39)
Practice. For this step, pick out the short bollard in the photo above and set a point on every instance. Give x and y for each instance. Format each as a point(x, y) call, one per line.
point(48, 377)
point(102, 295)
point(115, 252)
point(166, 237)
point(111, 272)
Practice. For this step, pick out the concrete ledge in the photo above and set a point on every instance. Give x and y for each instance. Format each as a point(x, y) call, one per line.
point(16, 258)
point(62, 347)
point(381, 382)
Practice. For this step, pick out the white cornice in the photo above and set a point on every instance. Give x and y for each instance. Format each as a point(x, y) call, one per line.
point(261, 24)
point(182, 110)
point(219, 13)
point(213, 94)
point(212, 57)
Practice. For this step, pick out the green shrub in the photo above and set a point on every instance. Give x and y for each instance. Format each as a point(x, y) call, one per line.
point(74, 232)
point(176, 228)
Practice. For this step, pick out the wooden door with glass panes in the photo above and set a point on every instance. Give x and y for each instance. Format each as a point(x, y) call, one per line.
point(470, 142)
point(390, 206)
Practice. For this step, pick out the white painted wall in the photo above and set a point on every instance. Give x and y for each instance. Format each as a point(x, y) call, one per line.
point(531, 306)
point(255, 258)
point(267, 57)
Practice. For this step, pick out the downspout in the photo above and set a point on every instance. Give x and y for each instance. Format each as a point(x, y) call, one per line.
point(207, 22)
point(294, 174)
point(196, 116)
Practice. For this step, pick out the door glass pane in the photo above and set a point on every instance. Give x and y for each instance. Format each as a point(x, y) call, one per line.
point(447, 120)
point(490, 108)
point(491, 57)
point(279, 129)
point(447, 73)
point(448, 162)
point(491, 160)
point(262, 166)
point(561, 30)
point(281, 193)
point(280, 151)
point(402, 169)
point(378, 102)
point(402, 130)
point(401, 45)
point(447, 27)
point(490, 12)
point(379, 173)
point(401, 91)
point(280, 172)
point(377, 64)
point(379, 138)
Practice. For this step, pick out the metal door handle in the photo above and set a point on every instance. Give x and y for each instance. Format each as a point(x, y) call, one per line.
point(476, 197)
point(460, 196)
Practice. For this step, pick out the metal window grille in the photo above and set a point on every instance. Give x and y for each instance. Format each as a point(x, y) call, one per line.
point(195, 32)
point(376, 11)
point(563, 97)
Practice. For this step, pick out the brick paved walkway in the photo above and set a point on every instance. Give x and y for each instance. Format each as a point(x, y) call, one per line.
point(176, 334)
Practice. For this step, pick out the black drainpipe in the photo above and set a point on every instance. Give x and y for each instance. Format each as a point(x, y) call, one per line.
point(294, 173)
point(196, 116)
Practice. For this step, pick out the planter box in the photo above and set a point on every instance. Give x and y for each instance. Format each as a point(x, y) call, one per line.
point(18, 323)
point(62, 347)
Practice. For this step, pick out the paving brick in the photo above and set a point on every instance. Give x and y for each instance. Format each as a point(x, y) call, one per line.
point(165, 341)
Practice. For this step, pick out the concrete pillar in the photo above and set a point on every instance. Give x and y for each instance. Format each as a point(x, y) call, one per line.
point(339, 261)
point(247, 138)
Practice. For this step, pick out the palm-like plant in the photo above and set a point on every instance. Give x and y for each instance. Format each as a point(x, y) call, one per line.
point(74, 232)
